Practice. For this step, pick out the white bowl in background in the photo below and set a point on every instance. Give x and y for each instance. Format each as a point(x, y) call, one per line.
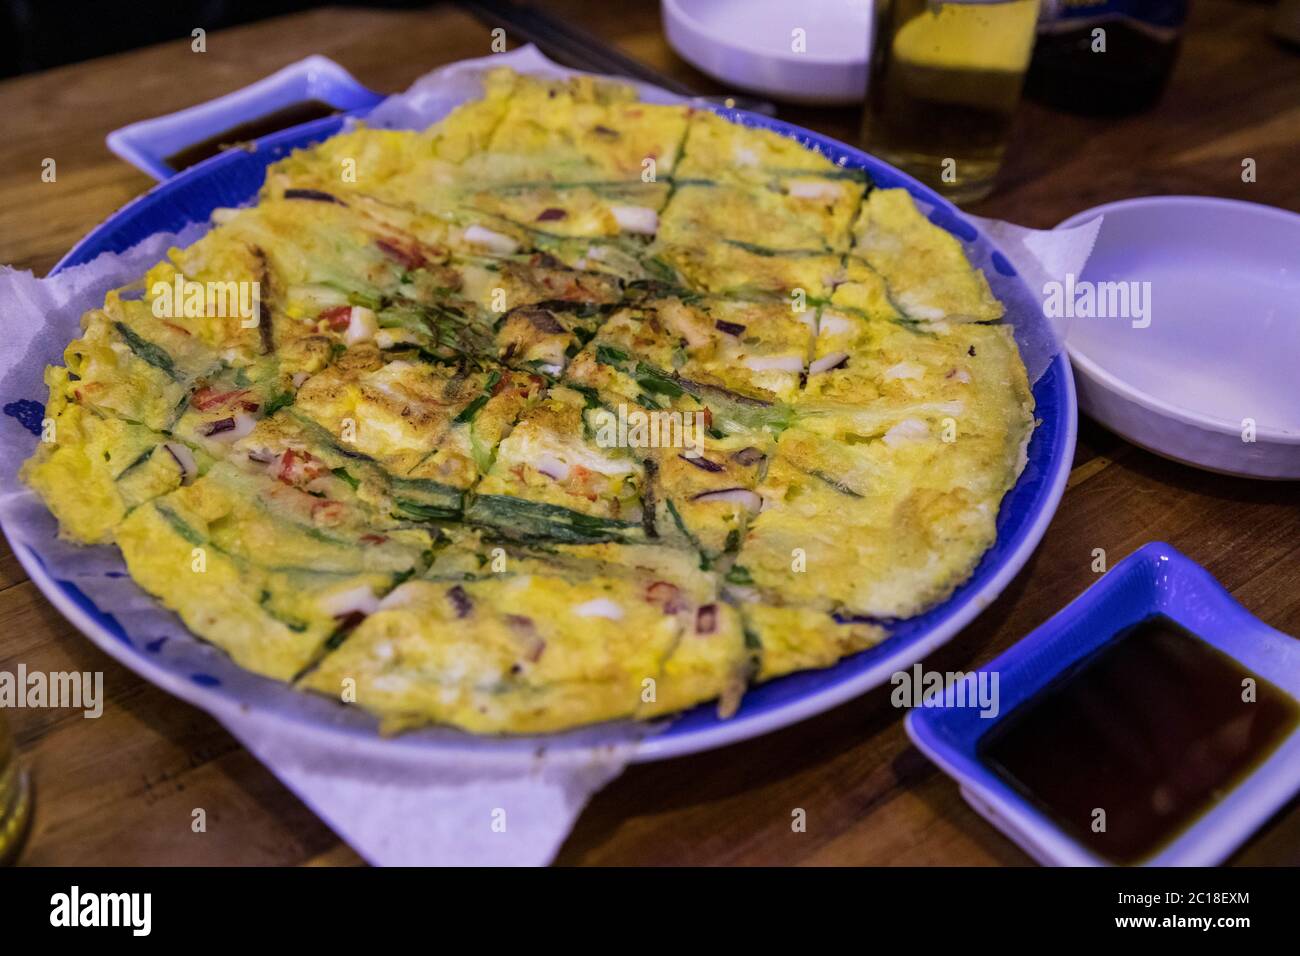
point(749, 44)
point(1221, 352)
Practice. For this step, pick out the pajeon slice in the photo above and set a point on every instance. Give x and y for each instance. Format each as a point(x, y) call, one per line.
point(171, 372)
point(570, 160)
point(741, 362)
point(760, 348)
point(316, 265)
point(579, 259)
point(547, 211)
point(566, 161)
point(135, 413)
point(707, 499)
point(883, 510)
point(925, 271)
point(543, 338)
point(324, 256)
point(722, 371)
point(717, 149)
point(870, 370)
point(465, 316)
point(553, 481)
point(499, 285)
point(314, 272)
point(492, 205)
point(494, 243)
point(297, 451)
point(567, 158)
point(579, 129)
point(269, 572)
point(402, 168)
point(710, 658)
point(627, 259)
point(743, 233)
point(855, 359)
point(133, 366)
point(695, 389)
point(433, 427)
point(98, 467)
point(697, 488)
point(533, 654)
point(910, 436)
point(699, 480)
point(761, 217)
point(742, 270)
point(789, 638)
point(385, 156)
point(861, 289)
point(380, 252)
point(755, 186)
point(411, 280)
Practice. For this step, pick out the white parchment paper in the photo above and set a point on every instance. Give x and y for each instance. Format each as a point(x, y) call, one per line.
point(439, 808)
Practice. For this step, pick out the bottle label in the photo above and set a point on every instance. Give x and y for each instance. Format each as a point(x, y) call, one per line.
point(1159, 16)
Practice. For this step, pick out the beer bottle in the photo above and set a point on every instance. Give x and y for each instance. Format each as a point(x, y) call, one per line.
point(1105, 56)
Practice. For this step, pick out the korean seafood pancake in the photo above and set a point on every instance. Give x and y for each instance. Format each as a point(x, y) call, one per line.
point(570, 408)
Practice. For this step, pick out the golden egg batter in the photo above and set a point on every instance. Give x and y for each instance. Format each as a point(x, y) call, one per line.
point(392, 482)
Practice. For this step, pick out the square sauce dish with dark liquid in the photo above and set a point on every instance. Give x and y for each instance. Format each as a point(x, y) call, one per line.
point(1128, 747)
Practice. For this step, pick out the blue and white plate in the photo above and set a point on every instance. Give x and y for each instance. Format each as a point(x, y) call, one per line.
point(210, 680)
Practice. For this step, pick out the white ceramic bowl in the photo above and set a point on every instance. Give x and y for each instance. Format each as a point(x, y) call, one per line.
point(750, 44)
point(1209, 375)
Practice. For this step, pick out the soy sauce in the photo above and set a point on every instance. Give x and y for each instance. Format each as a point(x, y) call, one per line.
point(293, 115)
point(1152, 729)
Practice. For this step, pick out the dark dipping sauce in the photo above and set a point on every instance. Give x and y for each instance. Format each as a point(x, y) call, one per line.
point(1151, 728)
point(293, 115)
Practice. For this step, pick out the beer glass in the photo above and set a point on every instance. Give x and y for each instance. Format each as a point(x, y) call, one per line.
point(15, 798)
point(945, 80)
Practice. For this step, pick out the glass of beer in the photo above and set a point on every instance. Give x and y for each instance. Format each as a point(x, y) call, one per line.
point(945, 80)
point(15, 798)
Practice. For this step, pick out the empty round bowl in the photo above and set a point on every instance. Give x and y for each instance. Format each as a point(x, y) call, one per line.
point(1184, 330)
point(813, 51)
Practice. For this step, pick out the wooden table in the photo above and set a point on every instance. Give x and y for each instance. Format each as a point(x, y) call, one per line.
point(121, 789)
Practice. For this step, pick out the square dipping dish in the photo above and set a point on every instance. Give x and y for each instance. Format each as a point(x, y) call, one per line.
point(1153, 705)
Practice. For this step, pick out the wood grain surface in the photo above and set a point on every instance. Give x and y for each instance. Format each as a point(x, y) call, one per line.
point(120, 789)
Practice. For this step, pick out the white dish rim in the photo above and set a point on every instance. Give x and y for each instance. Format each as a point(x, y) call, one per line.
point(677, 9)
